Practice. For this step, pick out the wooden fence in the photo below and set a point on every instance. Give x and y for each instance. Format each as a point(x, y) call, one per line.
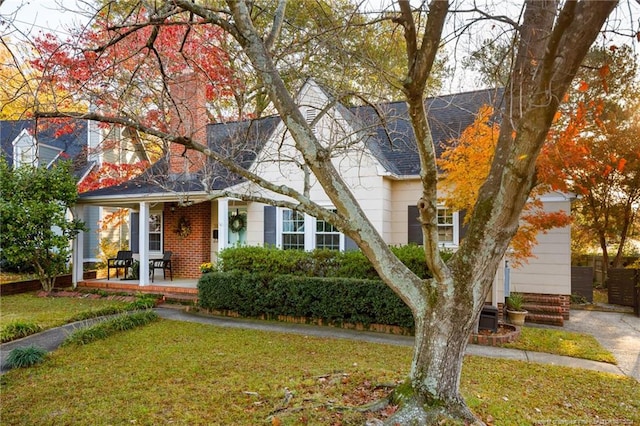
point(597, 264)
point(624, 287)
point(582, 282)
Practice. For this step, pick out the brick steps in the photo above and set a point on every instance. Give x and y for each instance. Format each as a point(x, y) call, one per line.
point(180, 298)
point(544, 309)
point(542, 299)
point(171, 295)
point(545, 319)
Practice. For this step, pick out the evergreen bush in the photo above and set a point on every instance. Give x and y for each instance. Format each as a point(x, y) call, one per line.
point(335, 300)
point(26, 357)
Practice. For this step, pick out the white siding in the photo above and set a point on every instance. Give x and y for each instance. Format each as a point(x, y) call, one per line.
point(549, 271)
point(278, 162)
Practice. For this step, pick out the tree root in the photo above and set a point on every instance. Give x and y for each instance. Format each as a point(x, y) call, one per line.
point(414, 413)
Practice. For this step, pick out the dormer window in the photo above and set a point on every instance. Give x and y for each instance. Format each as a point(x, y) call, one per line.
point(24, 151)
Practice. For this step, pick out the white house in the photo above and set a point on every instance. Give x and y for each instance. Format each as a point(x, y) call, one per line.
point(379, 163)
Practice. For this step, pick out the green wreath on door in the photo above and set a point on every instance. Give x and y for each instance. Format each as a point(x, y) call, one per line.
point(237, 222)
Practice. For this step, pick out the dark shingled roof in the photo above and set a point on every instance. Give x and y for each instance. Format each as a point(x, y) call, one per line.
point(386, 127)
point(72, 141)
point(241, 140)
point(393, 140)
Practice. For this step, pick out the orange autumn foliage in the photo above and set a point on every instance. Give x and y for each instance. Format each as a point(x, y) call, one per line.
point(465, 164)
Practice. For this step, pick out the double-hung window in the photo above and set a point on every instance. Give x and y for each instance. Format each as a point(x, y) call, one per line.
point(293, 230)
point(446, 226)
point(298, 231)
point(155, 232)
point(327, 235)
point(448, 222)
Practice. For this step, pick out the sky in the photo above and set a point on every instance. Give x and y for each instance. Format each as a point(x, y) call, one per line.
point(22, 18)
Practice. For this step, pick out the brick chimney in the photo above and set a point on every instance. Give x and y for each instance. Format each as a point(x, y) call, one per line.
point(188, 117)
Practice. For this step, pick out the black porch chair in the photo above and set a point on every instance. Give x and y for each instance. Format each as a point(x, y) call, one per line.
point(124, 260)
point(164, 264)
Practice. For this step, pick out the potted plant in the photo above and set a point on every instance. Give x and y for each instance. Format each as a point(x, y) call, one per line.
point(515, 308)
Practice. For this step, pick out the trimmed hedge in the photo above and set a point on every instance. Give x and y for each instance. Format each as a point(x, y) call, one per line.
point(318, 263)
point(335, 300)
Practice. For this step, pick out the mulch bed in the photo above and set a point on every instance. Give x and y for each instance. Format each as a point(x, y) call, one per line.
point(506, 333)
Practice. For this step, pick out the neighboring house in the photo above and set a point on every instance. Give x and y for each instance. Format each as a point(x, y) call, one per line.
point(174, 212)
point(80, 141)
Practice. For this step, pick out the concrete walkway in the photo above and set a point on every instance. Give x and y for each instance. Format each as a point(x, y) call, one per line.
point(619, 333)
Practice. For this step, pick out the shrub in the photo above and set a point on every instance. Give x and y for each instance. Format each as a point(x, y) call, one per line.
point(26, 357)
point(354, 264)
point(259, 259)
point(143, 302)
point(106, 328)
point(238, 291)
point(318, 263)
point(94, 313)
point(335, 300)
point(146, 301)
point(578, 299)
point(18, 329)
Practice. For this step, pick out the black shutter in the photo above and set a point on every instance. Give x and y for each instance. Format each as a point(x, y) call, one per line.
point(269, 225)
point(414, 229)
point(349, 244)
point(134, 235)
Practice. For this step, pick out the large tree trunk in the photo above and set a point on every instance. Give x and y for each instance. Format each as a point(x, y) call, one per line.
point(441, 341)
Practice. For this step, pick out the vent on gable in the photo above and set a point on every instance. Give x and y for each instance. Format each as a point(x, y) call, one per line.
point(311, 114)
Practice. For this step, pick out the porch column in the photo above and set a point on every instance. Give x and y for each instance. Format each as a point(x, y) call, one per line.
point(223, 223)
point(309, 235)
point(143, 239)
point(77, 250)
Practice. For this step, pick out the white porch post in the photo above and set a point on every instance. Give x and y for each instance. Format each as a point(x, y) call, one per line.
point(143, 239)
point(223, 223)
point(77, 251)
point(309, 235)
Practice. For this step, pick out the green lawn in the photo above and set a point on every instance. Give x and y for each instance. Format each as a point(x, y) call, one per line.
point(47, 312)
point(195, 374)
point(577, 345)
point(50, 312)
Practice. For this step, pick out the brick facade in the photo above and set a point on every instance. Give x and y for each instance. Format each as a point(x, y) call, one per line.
point(191, 251)
point(189, 118)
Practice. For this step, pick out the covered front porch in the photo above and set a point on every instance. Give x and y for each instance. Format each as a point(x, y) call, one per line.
point(189, 227)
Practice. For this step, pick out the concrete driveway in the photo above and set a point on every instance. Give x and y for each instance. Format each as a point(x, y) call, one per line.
point(617, 332)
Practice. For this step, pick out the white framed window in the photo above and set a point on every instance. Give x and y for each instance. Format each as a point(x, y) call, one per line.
point(155, 232)
point(447, 227)
point(25, 156)
point(327, 236)
point(293, 230)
